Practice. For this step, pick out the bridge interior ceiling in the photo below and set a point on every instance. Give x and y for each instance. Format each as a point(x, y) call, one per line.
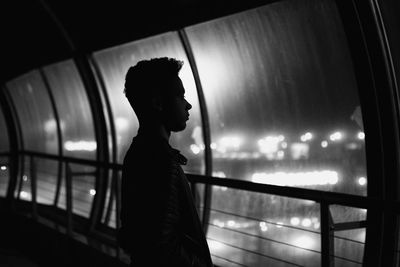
point(281, 99)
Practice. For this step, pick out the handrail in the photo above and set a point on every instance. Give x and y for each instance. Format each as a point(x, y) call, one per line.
point(324, 198)
point(332, 198)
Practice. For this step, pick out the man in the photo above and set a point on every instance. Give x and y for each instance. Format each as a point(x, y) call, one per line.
point(160, 225)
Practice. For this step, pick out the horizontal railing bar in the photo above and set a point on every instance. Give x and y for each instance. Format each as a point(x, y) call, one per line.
point(349, 225)
point(292, 192)
point(300, 193)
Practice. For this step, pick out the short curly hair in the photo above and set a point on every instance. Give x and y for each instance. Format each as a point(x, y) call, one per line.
point(148, 79)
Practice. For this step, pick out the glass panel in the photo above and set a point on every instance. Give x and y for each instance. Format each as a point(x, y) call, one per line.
point(83, 190)
point(349, 247)
point(34, 112)
point(74, 111)
point(4, 176)
point(342, 214)
point(254, 229)
point(114, 63)
point(282, 97)
point(4, 147)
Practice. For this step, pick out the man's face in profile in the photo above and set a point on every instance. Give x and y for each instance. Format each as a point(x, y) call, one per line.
point(176, 108)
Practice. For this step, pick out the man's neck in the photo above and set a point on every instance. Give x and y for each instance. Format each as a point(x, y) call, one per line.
point(157, 130)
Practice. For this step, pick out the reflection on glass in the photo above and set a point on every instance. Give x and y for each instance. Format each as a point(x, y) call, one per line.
point(4, 147)
point(73, 108)
point(255, 229)
point(34, 112)
point(115, 62)
point(282, 97)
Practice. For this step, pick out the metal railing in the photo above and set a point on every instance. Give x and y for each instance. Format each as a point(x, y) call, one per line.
point(325, 200)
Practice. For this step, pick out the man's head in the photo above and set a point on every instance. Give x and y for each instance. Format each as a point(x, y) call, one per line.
point(156, 93)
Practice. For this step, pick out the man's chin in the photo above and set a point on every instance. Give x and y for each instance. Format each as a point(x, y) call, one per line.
point(179, 128)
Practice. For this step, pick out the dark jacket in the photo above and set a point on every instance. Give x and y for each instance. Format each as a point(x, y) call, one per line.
point(160, 224)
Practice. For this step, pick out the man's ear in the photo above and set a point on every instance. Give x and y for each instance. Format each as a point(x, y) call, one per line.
point(156, 104)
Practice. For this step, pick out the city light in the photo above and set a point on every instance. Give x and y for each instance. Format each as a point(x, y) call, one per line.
point(80, 145)
point(231, 223)
point(324, 144)
point(219, 174)
point(295, 221)
point(92, 192)
point(361, 135)
point(299, 151)
point(324, 177)
point(270, 144)
point(195, 149)
point(336, 136)
point(263, 226)
point(213, 145)
point(230, 142)
point(24, 194)
point(3, 168)
point(279, 224)
point(306, 222)
point(306, 137)
point(24, 177)
point(362, 181)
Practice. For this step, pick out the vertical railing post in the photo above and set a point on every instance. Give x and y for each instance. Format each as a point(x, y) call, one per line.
point(327, 241)
point(205, 126)
point(68, 188)
point(33, 173)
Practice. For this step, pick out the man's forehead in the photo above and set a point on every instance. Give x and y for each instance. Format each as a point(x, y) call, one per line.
point(177, 86)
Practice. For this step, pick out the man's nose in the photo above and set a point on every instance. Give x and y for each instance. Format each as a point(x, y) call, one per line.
point(188, 106)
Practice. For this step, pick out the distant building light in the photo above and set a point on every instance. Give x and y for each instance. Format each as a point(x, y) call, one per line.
point(336, 136)
point(306, 137)
point(80, 145)
point(306, 222)
point(299, 151)
point(263, 226)
point(361, 135)
point(324, 144)
point(92, 192)
point(284, 145)
point(280, 154)
point(231, 223)
point(213, 145)
point(295, 221)
point(3, 168)
point(24, 194)
point(230, 142)
point(362, 181)
point(317, 225)
point(24, 178)
point(324, 177)
point(195, 149)
point(270, 144)
point(279, 224)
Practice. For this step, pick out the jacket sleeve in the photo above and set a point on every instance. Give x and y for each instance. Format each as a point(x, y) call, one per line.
point(176, 248)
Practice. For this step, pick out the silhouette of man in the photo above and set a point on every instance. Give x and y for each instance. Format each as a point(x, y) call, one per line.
point(160, 225)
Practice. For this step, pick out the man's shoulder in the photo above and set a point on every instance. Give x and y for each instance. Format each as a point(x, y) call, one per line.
point(147, 152)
